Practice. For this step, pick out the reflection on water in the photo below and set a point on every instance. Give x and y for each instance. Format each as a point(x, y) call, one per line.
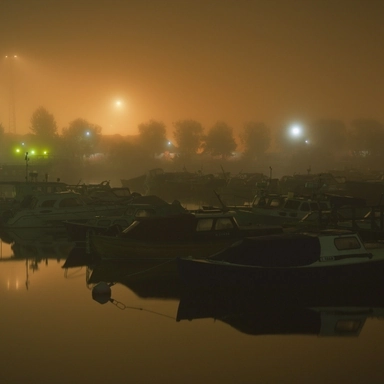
point(115, 321)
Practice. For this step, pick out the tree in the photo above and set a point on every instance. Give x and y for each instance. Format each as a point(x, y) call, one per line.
point(43, 123)
point(328, 134)
point(188, 135)
point(367, 137)
point(81, 137)
point(255, 138)
point(220, 140)
point(152, 137)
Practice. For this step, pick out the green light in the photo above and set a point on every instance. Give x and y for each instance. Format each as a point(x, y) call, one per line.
point(32, 152)
point(17, 150)
point(45, 152)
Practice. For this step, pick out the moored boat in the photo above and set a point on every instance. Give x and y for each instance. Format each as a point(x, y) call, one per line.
point(304, 259)
point(51, 209)
point(169, 237)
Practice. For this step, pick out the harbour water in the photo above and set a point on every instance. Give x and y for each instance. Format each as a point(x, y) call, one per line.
point(53, 330)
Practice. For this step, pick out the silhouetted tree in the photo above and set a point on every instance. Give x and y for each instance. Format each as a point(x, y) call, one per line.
point(255, 138)
point(123, 152)
point(43, 123)
point(152, 137)
point(328, 134)
point(81, 137)
point(367, 137)
point(188, 135)
point(219, 140)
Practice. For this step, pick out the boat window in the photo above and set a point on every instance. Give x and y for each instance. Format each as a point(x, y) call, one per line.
point(29, 202)
point(145, 213)
point(348, 326)
point(314, 206)
point(292, 204)
point(344, 243)
point(130, 211)
point(204, 224)
point(324, 206)
point(305, 206)
point(223, 223)
point(275, 203)
point(260, 201)
point(48, 203)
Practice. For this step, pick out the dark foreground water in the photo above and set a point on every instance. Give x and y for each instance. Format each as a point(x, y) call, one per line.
point(53, 331)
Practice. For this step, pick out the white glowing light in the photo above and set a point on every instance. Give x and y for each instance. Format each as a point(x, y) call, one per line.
point(296, 130)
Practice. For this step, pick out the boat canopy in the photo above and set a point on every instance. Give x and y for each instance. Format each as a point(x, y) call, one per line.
point(286, 250)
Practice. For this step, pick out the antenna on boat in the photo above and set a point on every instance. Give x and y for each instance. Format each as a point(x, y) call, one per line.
point(223, 206)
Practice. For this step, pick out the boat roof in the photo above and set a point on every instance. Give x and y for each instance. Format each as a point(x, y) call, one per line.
point(278, 250)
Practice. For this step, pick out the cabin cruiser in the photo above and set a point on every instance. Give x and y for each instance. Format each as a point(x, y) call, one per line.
point(169, 237)
point(51, 209)
point(139, 208)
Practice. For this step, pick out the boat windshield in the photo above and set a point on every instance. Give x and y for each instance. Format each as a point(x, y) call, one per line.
point(344, 243)
point(292, 204)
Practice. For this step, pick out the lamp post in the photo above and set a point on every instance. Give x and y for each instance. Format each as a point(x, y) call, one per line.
point(26, 158)
point(12, 108)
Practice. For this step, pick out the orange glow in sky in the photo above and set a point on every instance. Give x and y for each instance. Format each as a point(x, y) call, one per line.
point(273, 61)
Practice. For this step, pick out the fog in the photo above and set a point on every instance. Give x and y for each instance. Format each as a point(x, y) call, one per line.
point(276, 62)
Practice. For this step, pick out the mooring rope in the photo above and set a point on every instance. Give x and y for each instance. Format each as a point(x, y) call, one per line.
point(122, 306)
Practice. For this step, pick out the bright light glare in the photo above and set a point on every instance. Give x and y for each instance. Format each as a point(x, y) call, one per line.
point(118, 103)
point(296, 130)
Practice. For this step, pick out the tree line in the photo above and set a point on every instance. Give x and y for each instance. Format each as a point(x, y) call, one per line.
point(362, 138)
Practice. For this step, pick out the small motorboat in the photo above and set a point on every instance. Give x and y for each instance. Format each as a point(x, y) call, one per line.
point(289, 259)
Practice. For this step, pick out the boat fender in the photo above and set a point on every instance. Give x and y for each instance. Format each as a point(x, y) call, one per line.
point(102, 292)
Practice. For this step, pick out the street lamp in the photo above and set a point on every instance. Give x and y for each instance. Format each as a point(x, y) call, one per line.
point(26, 158)
point(296, 130)
point(12, 109)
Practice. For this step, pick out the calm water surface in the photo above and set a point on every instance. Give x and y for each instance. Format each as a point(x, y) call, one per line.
point(53, 331)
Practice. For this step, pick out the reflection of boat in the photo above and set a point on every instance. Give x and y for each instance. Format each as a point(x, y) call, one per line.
point(250, 313)
point(43, 249)
point(304, 259)
point(148, 279)
point(169, 237)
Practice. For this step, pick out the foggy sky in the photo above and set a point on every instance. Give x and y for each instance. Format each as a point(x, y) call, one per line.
point(276, 61)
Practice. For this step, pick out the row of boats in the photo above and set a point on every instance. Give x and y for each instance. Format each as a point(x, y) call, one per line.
point(207, 247)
